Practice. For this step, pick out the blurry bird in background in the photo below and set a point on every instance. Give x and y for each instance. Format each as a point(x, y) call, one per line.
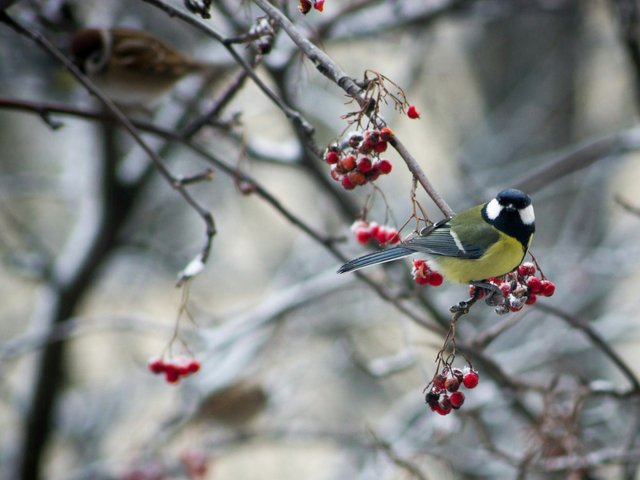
point(133, 67)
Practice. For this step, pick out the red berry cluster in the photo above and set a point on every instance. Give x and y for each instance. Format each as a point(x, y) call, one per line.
point(412, 112)
point(358, 162)
point(382, 234)
point(519, 288)
point(424, 275)
point(305, 5)
point(444, 394)
point(174, 370)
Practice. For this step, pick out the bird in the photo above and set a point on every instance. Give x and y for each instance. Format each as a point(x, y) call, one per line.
point(133, 67)
point(485, 241)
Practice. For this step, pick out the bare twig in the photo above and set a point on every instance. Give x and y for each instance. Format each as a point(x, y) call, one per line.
point(291, 114)
point(578, 158)
point(331, 70)
point(597, 340)
point(401, 462)
point(258, 189)
point(39, 39)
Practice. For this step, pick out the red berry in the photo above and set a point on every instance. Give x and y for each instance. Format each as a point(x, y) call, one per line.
point(394, 236)
point(516, 307)
point(365, 149)
point(384, 166)
point(435, 279)
point(505, 288)
point(548, 288)
point(193, 366)
point(386, 134)
point(371, 139)
point(439, 381)
point(156, 365)
point(334, 174)
point(172, 375)
point(363, 235)
point(527, 268)
point(381, 235)
point(304, 6)
point(346, 183)
point(470, 379)
point(421, 279)
point(318, 5)
point(452, 384)
point(348, 163)
point(531, 299)
point(412, 112)
point(418, 263)
point(357, 178)
point(183, 369)
point(332, 157)
point(364, 164)
point(380, 147)
point(534, 284)
point(456, 399)
point(374, 173)
point(374, 228)
point(444, 406)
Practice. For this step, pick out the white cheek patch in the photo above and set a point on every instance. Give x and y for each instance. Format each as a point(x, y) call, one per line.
point(493, 209)
point(527, 216)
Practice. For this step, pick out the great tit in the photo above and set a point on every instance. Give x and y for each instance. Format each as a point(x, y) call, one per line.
point(485, 241)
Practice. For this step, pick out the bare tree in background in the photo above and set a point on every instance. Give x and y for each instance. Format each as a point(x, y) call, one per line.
point(235, 187)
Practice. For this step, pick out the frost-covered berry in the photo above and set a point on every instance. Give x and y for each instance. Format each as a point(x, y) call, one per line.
point(156, 365)
point(332, 157)
point(456, 399)
point(452, 384)
point(364, 165)
point(384, 166)
point(527, 268)
point(548, 288)
point(534, 284)
point(439, 381)
point(470, 379)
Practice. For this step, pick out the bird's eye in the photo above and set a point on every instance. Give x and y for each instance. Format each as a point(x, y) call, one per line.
point(95, 62)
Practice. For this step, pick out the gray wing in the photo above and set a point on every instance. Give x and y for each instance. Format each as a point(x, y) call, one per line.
point(440, 240)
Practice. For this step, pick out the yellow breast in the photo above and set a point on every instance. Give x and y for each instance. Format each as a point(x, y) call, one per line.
point(502, 257)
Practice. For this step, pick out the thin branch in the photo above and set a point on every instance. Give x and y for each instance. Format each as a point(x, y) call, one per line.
point(401, 462)
point(578, 158)
point(332, 71)
point(597, 340)
point(627, 205)
point(291, 114)
point(629, 24)
point(255, 187)
point(40, 40)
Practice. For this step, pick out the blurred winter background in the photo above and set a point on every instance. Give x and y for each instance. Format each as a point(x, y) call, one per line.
point(307, 374)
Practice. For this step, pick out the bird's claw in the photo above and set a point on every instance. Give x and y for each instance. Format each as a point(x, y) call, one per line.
point(461, 308)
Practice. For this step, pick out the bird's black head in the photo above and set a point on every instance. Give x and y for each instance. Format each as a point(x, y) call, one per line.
point(512, 213)
point(513, 199)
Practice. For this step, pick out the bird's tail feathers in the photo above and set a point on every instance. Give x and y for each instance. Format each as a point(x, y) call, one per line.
point(375, 258)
